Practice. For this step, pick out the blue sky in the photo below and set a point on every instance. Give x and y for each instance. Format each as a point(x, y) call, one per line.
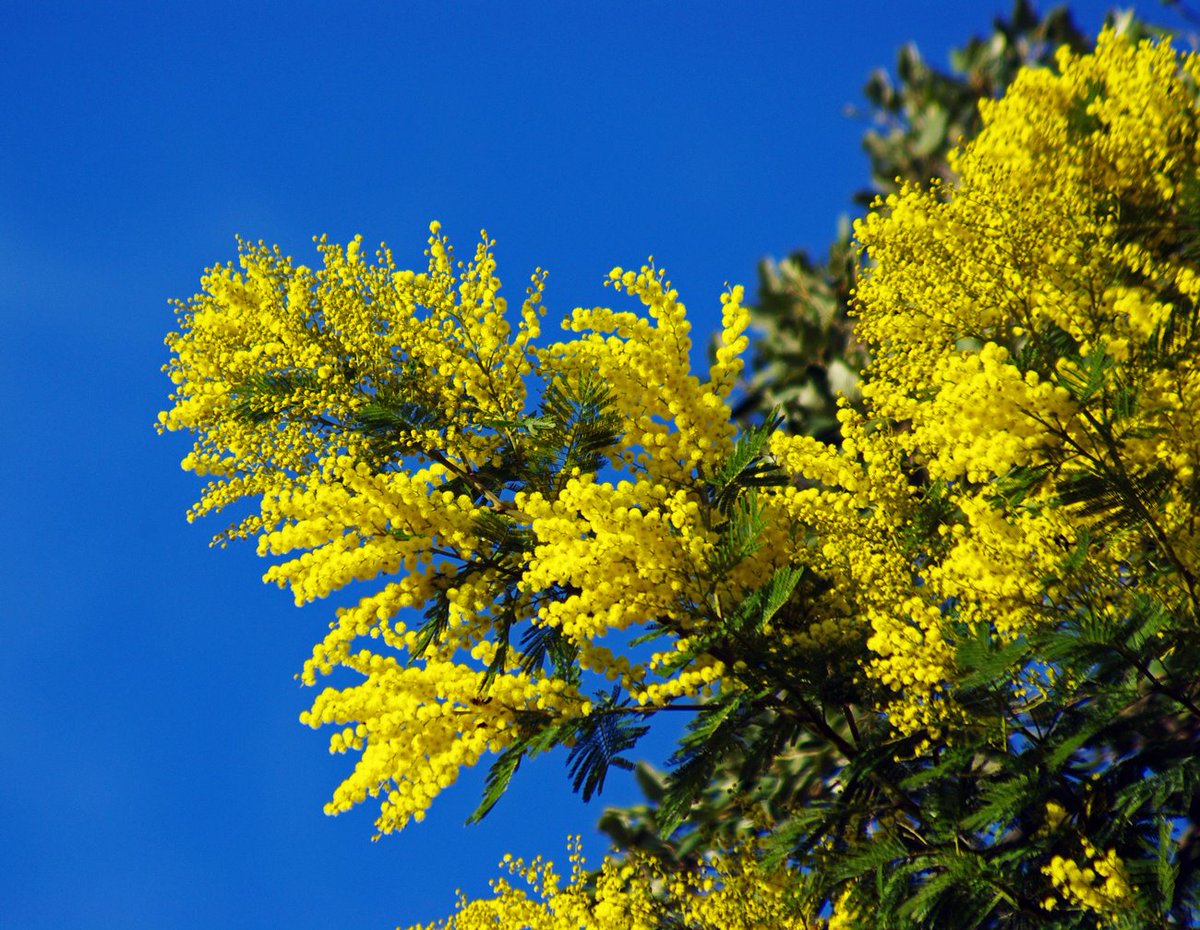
point(153, 772)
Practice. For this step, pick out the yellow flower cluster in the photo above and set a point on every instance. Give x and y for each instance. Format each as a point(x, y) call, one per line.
point(1018, 331)
point(411, 726)
point(730, 892)
point(380, 416)
point(1099, 886)
point(275, 361)
point(845, 915)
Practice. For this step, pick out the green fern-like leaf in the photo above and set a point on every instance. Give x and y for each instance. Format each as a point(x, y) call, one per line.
point(600, 739)
point(740, 536)
point(760, 607)
point(540, 644)
point(578, 423)
point(271, 395)
point(746, 467)
point(437, 622)
point(538, 733)
point(709, 739)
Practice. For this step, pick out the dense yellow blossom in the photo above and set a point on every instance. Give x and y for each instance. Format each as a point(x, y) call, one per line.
point(1099, 886)
point(372, 411)
point(731, 893)
point(510, 511)
point(969, 297)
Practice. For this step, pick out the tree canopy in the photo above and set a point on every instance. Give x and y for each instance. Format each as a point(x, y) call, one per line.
point(941, 662)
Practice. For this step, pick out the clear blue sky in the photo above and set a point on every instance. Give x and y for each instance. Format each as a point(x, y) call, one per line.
point(152, 770)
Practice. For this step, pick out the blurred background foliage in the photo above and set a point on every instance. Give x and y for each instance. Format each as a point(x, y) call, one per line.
point(804, 352)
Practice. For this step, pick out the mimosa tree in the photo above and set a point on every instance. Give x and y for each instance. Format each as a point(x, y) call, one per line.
point(979, 610)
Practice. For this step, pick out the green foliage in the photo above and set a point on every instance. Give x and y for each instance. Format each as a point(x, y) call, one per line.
point(577, 424)
point(600, 739)
point(537, 735)
point(748, 465)
point(272, 396)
